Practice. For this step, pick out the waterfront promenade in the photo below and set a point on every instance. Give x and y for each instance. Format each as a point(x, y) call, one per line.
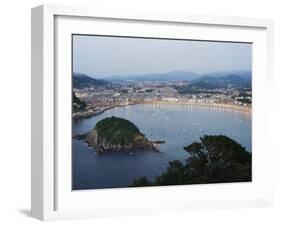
point(235, 107)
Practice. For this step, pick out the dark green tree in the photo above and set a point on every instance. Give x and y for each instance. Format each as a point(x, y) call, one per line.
point(218, 159)
point(215, 159)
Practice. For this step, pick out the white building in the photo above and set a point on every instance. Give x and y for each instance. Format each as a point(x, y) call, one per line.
point(170, 99)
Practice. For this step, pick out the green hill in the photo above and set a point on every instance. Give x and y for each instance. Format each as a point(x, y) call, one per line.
point(81, 81)
point(117, 130)
point(117, 134)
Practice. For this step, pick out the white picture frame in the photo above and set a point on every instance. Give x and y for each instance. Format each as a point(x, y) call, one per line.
point(52, 197)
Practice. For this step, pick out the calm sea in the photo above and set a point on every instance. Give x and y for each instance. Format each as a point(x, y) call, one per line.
point(176, 124)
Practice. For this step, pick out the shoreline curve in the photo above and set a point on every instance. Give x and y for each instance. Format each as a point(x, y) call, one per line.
point(244, 109)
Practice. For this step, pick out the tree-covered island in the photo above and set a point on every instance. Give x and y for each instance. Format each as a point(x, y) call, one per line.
point(117, 134)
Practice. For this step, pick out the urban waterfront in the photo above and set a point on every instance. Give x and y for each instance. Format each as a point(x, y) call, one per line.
point(159, 112)
point(178, 125)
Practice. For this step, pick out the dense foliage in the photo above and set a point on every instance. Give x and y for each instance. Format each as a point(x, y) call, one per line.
point(215, 159)
point(117, 130)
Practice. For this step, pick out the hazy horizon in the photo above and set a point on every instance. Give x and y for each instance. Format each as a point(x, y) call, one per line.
point(103, 56)
point(171, 71)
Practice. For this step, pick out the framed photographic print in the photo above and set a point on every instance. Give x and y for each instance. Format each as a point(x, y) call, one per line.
point(137, 112)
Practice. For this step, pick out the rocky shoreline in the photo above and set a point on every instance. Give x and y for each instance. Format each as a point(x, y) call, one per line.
point(102, 143)
point(89, 113)
point(105, 148)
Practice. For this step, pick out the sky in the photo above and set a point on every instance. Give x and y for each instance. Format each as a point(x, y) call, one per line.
point(101, 56)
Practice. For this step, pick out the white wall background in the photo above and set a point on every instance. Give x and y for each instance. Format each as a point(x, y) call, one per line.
point(15, 111)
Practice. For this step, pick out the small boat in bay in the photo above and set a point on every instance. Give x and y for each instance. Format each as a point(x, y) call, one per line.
point(159, 142)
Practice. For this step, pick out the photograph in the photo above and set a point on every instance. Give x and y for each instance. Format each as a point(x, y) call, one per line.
point(152, 111)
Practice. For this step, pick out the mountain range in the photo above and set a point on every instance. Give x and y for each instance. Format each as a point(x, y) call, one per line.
point(176, 76)
point(212, 80)
point(209, 82)
point(85, 81)
point(169, 76)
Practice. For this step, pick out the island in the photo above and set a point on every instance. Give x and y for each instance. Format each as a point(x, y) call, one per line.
point(114, 134)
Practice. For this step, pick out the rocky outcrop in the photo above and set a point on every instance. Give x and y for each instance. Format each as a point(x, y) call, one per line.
point(86, 114)
point(139, 143)
point(118, 135)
